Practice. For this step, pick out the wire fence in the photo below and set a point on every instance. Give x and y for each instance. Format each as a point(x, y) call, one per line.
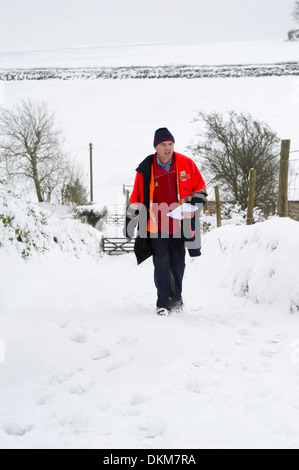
point(293, 186)
point(292, 182)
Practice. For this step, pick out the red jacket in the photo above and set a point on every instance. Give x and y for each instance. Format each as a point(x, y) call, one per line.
point(191, 182)
point(189, 185)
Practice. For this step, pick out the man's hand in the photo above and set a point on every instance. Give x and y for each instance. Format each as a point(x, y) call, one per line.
point(129, 240)
point(188, 215)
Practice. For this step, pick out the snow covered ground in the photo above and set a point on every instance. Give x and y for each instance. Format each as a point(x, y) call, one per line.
point(86, 363)
point(84, 360)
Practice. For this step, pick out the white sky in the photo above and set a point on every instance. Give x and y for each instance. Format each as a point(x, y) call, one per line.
point(55, 23)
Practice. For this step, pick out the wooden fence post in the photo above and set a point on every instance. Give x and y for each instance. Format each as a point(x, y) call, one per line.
point(91, 173)
point(218, 206)
point(102, 244)
point(127, 198)
point(126, 193)
point(282, 204)
point(251, 191)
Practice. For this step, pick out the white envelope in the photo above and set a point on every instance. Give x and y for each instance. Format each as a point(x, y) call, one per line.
point(177, 213)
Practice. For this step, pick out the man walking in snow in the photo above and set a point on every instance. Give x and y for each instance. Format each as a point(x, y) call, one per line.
point(165, 181)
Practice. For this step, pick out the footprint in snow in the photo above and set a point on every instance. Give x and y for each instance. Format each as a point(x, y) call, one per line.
point(152, 430)
point(138, 398)
point(81, 387)
point(42, 400)
point(115, 365)
point(75, 380)
point(243, 332)
point(126, 341)
point(78, 338)
point(63, 323)
point(62, 376)
point(99, 352)
point(17, 429)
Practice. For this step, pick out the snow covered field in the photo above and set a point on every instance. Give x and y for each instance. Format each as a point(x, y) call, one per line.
point(120, 117)
point(230, 53)
point(84, 361)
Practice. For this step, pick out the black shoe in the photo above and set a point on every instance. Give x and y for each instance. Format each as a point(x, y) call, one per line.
point(163, 311)
point(177, 305)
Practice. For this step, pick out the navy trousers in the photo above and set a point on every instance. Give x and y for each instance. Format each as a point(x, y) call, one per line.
point(169, 268)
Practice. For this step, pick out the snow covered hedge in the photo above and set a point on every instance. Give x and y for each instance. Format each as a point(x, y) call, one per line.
point(28, 230)
point(95, 214)
point(151, 72)
point(259, 262)
point(231, 214)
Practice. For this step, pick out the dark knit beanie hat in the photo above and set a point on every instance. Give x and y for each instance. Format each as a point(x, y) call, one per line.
point(161, 135)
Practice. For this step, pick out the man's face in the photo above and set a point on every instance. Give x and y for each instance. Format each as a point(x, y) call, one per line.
point(165, 150)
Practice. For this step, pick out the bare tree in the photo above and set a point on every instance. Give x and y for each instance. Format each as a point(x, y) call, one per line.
point(31, 146)
point(229, 148)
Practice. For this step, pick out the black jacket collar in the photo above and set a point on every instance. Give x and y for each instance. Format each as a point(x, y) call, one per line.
point(145, 166)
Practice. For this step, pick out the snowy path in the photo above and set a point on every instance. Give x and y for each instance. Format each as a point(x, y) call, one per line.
point(90, 365)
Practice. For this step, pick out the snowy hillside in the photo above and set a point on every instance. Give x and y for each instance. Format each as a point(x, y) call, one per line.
point(234, 53)
point(211, 60)
point(27, 230)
